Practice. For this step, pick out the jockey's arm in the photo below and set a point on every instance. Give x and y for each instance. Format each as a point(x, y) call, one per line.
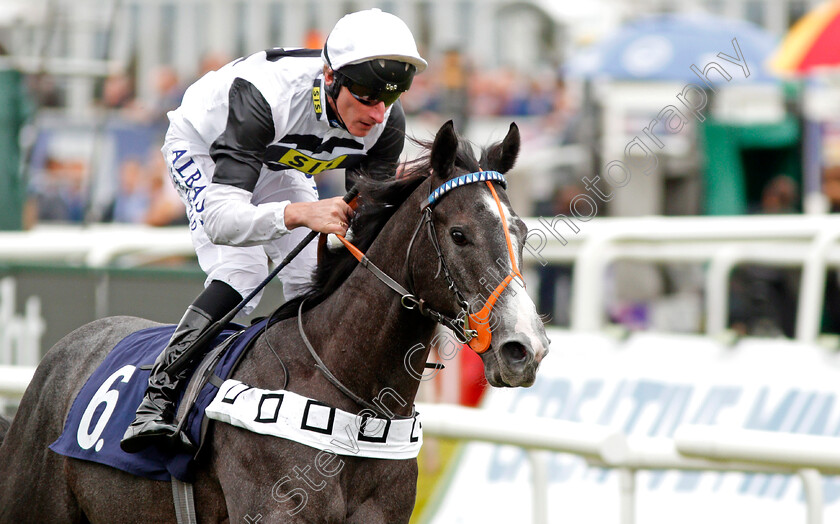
point(231, 219)
point(229, 216)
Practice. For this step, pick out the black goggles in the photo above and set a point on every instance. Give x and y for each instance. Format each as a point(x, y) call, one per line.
point(369, 96)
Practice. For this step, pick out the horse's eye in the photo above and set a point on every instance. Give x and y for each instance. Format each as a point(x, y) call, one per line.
point(458, 236)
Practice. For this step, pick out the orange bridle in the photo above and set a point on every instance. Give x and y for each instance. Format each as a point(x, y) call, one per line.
point(472, 328)
point(481, 320)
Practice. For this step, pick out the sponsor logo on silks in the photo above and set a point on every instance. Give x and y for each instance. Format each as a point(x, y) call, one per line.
point(390, 87)
point(316, 100)
point(306, 164)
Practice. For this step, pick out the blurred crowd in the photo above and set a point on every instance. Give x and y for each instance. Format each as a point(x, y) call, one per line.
point(456, 88)
point(119, 154)
point(65, 168)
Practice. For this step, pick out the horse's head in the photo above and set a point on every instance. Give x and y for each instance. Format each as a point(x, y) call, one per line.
point(479, 243)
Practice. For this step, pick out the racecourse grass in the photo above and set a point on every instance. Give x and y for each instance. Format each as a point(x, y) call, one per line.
point(433, 461)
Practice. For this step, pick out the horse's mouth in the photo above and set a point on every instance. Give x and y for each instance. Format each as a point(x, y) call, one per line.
point(494, 378)
point(499, 376)
point(497, 380)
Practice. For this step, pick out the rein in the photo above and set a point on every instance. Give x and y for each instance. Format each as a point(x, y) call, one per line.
point(408, 300)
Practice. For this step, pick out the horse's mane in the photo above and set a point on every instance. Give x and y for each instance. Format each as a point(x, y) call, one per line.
point(379, 199)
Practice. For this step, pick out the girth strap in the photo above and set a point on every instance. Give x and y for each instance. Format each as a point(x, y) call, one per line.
point(365, 261)
point(182, 494)
point(409, 301)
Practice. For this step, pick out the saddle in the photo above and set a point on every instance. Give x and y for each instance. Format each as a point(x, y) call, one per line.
point(107, 402)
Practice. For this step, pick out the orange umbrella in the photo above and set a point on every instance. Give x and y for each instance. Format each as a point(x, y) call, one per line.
point(813, 42)
point(313, 39)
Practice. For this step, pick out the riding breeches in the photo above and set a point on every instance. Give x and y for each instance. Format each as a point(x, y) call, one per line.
point(243, 268)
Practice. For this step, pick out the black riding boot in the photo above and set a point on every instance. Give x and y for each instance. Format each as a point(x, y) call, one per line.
point(154, 420)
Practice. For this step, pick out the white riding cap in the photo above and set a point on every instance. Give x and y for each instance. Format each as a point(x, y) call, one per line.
point(365, 35)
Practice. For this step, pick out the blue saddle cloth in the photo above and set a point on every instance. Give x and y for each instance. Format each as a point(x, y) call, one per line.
point(106, 405)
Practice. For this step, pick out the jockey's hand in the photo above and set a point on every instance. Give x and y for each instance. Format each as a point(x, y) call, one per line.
point(331, 215)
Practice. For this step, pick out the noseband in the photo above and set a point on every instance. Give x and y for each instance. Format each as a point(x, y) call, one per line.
point(470, 328)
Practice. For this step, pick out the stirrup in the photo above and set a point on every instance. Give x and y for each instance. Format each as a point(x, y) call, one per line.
point(180, 442)
point(177, 442)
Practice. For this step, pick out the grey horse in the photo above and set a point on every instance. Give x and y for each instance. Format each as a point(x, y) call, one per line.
point(361, 330)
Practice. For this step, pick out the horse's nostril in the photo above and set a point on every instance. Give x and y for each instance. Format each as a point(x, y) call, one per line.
point(514, 352)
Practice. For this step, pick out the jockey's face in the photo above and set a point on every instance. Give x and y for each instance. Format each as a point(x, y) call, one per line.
point(357, 116)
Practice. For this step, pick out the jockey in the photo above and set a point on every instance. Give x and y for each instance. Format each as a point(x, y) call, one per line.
point(242, 150)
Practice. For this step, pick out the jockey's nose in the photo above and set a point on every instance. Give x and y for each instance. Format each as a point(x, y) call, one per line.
point(377, 112)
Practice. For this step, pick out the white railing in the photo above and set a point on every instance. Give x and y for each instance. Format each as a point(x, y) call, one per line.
point(95, 245)
point(693, 448)
point(14, 380)
point(806, 241)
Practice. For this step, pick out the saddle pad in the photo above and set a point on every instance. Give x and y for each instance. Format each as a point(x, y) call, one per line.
point(293, 417)
point(106, 405)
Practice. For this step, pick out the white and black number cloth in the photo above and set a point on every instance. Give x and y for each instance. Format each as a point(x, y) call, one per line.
point(294, 417)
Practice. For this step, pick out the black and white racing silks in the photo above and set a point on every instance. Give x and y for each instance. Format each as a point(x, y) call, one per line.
point(263, 116)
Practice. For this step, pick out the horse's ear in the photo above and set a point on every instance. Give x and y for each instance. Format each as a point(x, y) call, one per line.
point(443, 150)
point(501, 157)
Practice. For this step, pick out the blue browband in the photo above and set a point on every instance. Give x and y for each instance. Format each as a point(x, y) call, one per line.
point(469, 178)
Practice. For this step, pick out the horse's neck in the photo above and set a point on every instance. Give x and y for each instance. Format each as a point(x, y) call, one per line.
point(362, 332)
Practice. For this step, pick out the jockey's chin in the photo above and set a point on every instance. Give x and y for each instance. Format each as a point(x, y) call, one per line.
point(359, 129)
